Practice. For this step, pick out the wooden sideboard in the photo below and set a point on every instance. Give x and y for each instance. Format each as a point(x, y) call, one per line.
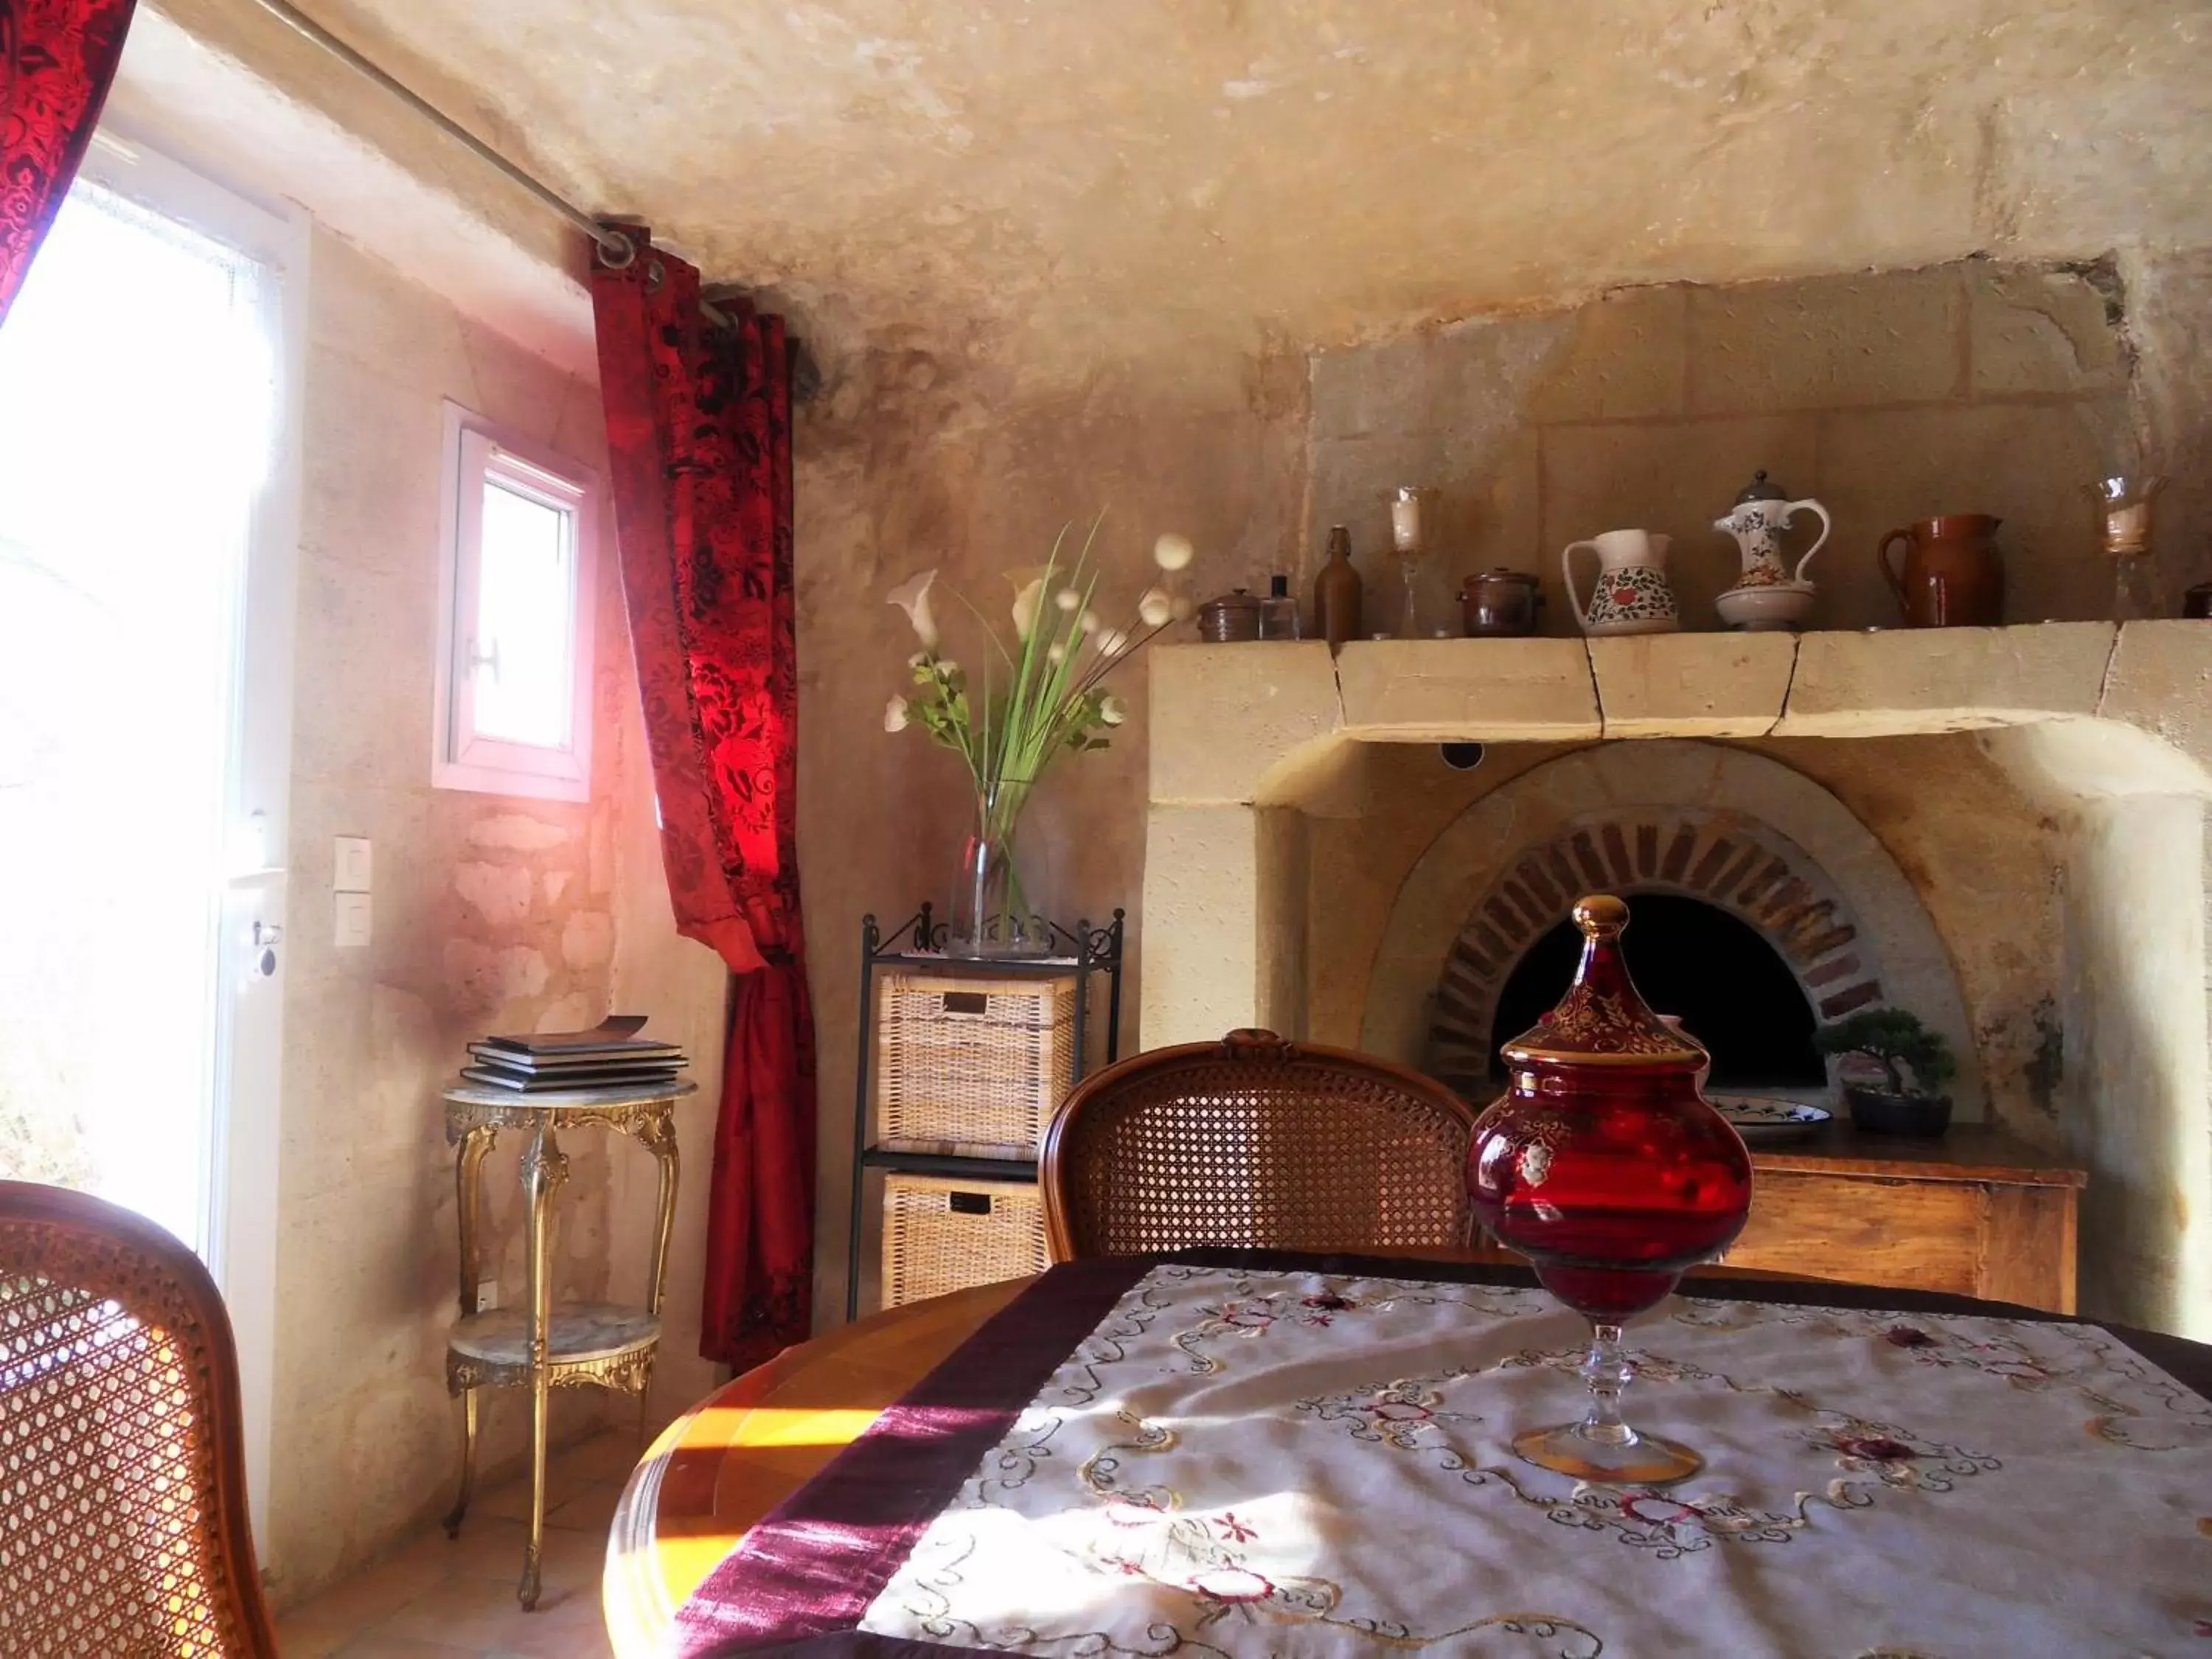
point(1978, 1213)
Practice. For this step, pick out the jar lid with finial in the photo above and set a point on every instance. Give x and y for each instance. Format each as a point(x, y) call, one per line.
point(1603, 1019)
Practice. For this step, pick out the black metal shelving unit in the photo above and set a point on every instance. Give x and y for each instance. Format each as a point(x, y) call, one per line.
point(918, 943)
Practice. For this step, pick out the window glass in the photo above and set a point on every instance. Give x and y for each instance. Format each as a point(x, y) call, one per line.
point(526, 606)
point(515, 660)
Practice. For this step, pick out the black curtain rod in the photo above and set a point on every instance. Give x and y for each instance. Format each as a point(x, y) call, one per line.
point(615, 248)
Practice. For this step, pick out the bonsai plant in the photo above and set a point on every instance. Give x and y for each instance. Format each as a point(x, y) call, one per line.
point(1916, 1062)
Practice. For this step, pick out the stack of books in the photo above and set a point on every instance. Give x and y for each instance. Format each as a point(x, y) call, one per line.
point(611, 1055)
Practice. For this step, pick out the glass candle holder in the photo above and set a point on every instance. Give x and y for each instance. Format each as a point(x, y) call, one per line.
point(2123, 524)
point(1408, 540)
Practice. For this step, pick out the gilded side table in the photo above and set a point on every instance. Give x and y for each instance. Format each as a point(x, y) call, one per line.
point(541, 1346)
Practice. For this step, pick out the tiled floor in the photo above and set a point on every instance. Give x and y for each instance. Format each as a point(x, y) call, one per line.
point(447, 1599)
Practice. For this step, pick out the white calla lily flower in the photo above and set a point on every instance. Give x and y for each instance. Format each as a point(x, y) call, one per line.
point(913, 597)
point(1026, 602)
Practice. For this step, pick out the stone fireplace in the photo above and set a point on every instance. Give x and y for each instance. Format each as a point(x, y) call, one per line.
point(2002, 831)
point(1730, 830)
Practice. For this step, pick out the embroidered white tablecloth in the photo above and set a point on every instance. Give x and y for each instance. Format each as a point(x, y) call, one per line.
point(1239, 1463)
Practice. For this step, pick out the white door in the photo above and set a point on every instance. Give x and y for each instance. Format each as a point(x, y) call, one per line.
point(148, 375)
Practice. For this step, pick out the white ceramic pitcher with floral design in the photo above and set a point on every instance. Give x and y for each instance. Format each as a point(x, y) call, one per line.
point(1632, 595)
point(1769, 594)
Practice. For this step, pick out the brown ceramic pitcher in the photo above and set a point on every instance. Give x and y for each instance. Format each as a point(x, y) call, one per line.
point(1952, 573)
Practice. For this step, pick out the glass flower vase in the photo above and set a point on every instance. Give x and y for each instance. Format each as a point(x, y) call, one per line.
point(991, 915)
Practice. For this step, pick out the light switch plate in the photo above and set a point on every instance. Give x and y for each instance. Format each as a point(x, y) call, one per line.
point(352, 920)
point(351, 863)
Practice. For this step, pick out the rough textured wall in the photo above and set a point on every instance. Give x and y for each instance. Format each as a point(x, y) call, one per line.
point(2132, 991)
point(1154, 176)
point(1985, 861)
point(489, 914)
point(1982, 860)
point(909, 460)
point(2169, 335)
point(1962, 388)
point(683, 990)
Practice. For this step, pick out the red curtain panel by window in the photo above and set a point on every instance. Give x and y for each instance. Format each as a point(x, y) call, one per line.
point(699, 440)
point(57, 58)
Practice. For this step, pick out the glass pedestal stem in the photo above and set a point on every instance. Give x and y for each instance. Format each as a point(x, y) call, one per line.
point(1607, 1370)
point(1600, 1448)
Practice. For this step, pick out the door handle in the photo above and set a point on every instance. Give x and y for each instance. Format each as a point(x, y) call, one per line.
point(267, 935)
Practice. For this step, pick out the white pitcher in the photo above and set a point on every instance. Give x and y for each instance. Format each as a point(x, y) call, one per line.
point(1769, 594)
point(1632, 595)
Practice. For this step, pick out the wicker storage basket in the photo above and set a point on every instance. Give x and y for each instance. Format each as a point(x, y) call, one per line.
point(942, 1234)
point(975, 1067)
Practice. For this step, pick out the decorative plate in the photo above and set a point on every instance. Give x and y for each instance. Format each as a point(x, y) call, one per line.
point(1770, 1122)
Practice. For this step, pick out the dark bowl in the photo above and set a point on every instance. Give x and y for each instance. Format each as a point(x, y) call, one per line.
point(1918, 1117)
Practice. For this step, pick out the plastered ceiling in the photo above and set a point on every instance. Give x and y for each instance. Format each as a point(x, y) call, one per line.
point(1082, 177)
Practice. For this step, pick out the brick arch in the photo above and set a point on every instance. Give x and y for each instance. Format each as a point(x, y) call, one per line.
point(1657, 815)
point(1748, 869)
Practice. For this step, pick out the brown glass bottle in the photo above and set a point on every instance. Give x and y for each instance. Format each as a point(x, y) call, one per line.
point(1337, 592)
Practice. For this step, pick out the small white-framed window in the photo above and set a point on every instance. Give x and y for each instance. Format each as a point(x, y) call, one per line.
point(514, 659)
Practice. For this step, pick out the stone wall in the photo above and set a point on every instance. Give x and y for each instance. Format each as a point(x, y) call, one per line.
point(1967, 387)
point(490, 914)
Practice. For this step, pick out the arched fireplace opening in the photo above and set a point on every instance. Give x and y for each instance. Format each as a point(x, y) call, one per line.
point(1734, 992)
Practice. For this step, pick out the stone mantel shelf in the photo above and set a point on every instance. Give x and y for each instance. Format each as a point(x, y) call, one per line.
point(1244, 724)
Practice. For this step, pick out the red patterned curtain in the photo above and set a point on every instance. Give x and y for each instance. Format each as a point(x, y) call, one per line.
point(57, 58)
point(699, 440)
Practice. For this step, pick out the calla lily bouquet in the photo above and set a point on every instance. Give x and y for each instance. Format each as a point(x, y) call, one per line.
point(1040, 694)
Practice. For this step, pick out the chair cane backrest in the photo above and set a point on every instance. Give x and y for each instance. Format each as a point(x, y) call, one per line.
point(123, 1532)
point(1255, 1141)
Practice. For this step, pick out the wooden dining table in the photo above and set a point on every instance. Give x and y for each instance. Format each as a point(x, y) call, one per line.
point(721, 1469)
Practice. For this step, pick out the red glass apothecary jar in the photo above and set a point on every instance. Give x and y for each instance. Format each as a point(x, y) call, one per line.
point(1605, 1165)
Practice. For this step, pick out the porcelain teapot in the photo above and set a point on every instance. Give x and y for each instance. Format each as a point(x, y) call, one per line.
point(1768, 594)
point(1632, 595)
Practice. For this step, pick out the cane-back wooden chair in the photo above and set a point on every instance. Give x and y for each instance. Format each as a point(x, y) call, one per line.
point(123, 1532)
point(1259, 1142)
